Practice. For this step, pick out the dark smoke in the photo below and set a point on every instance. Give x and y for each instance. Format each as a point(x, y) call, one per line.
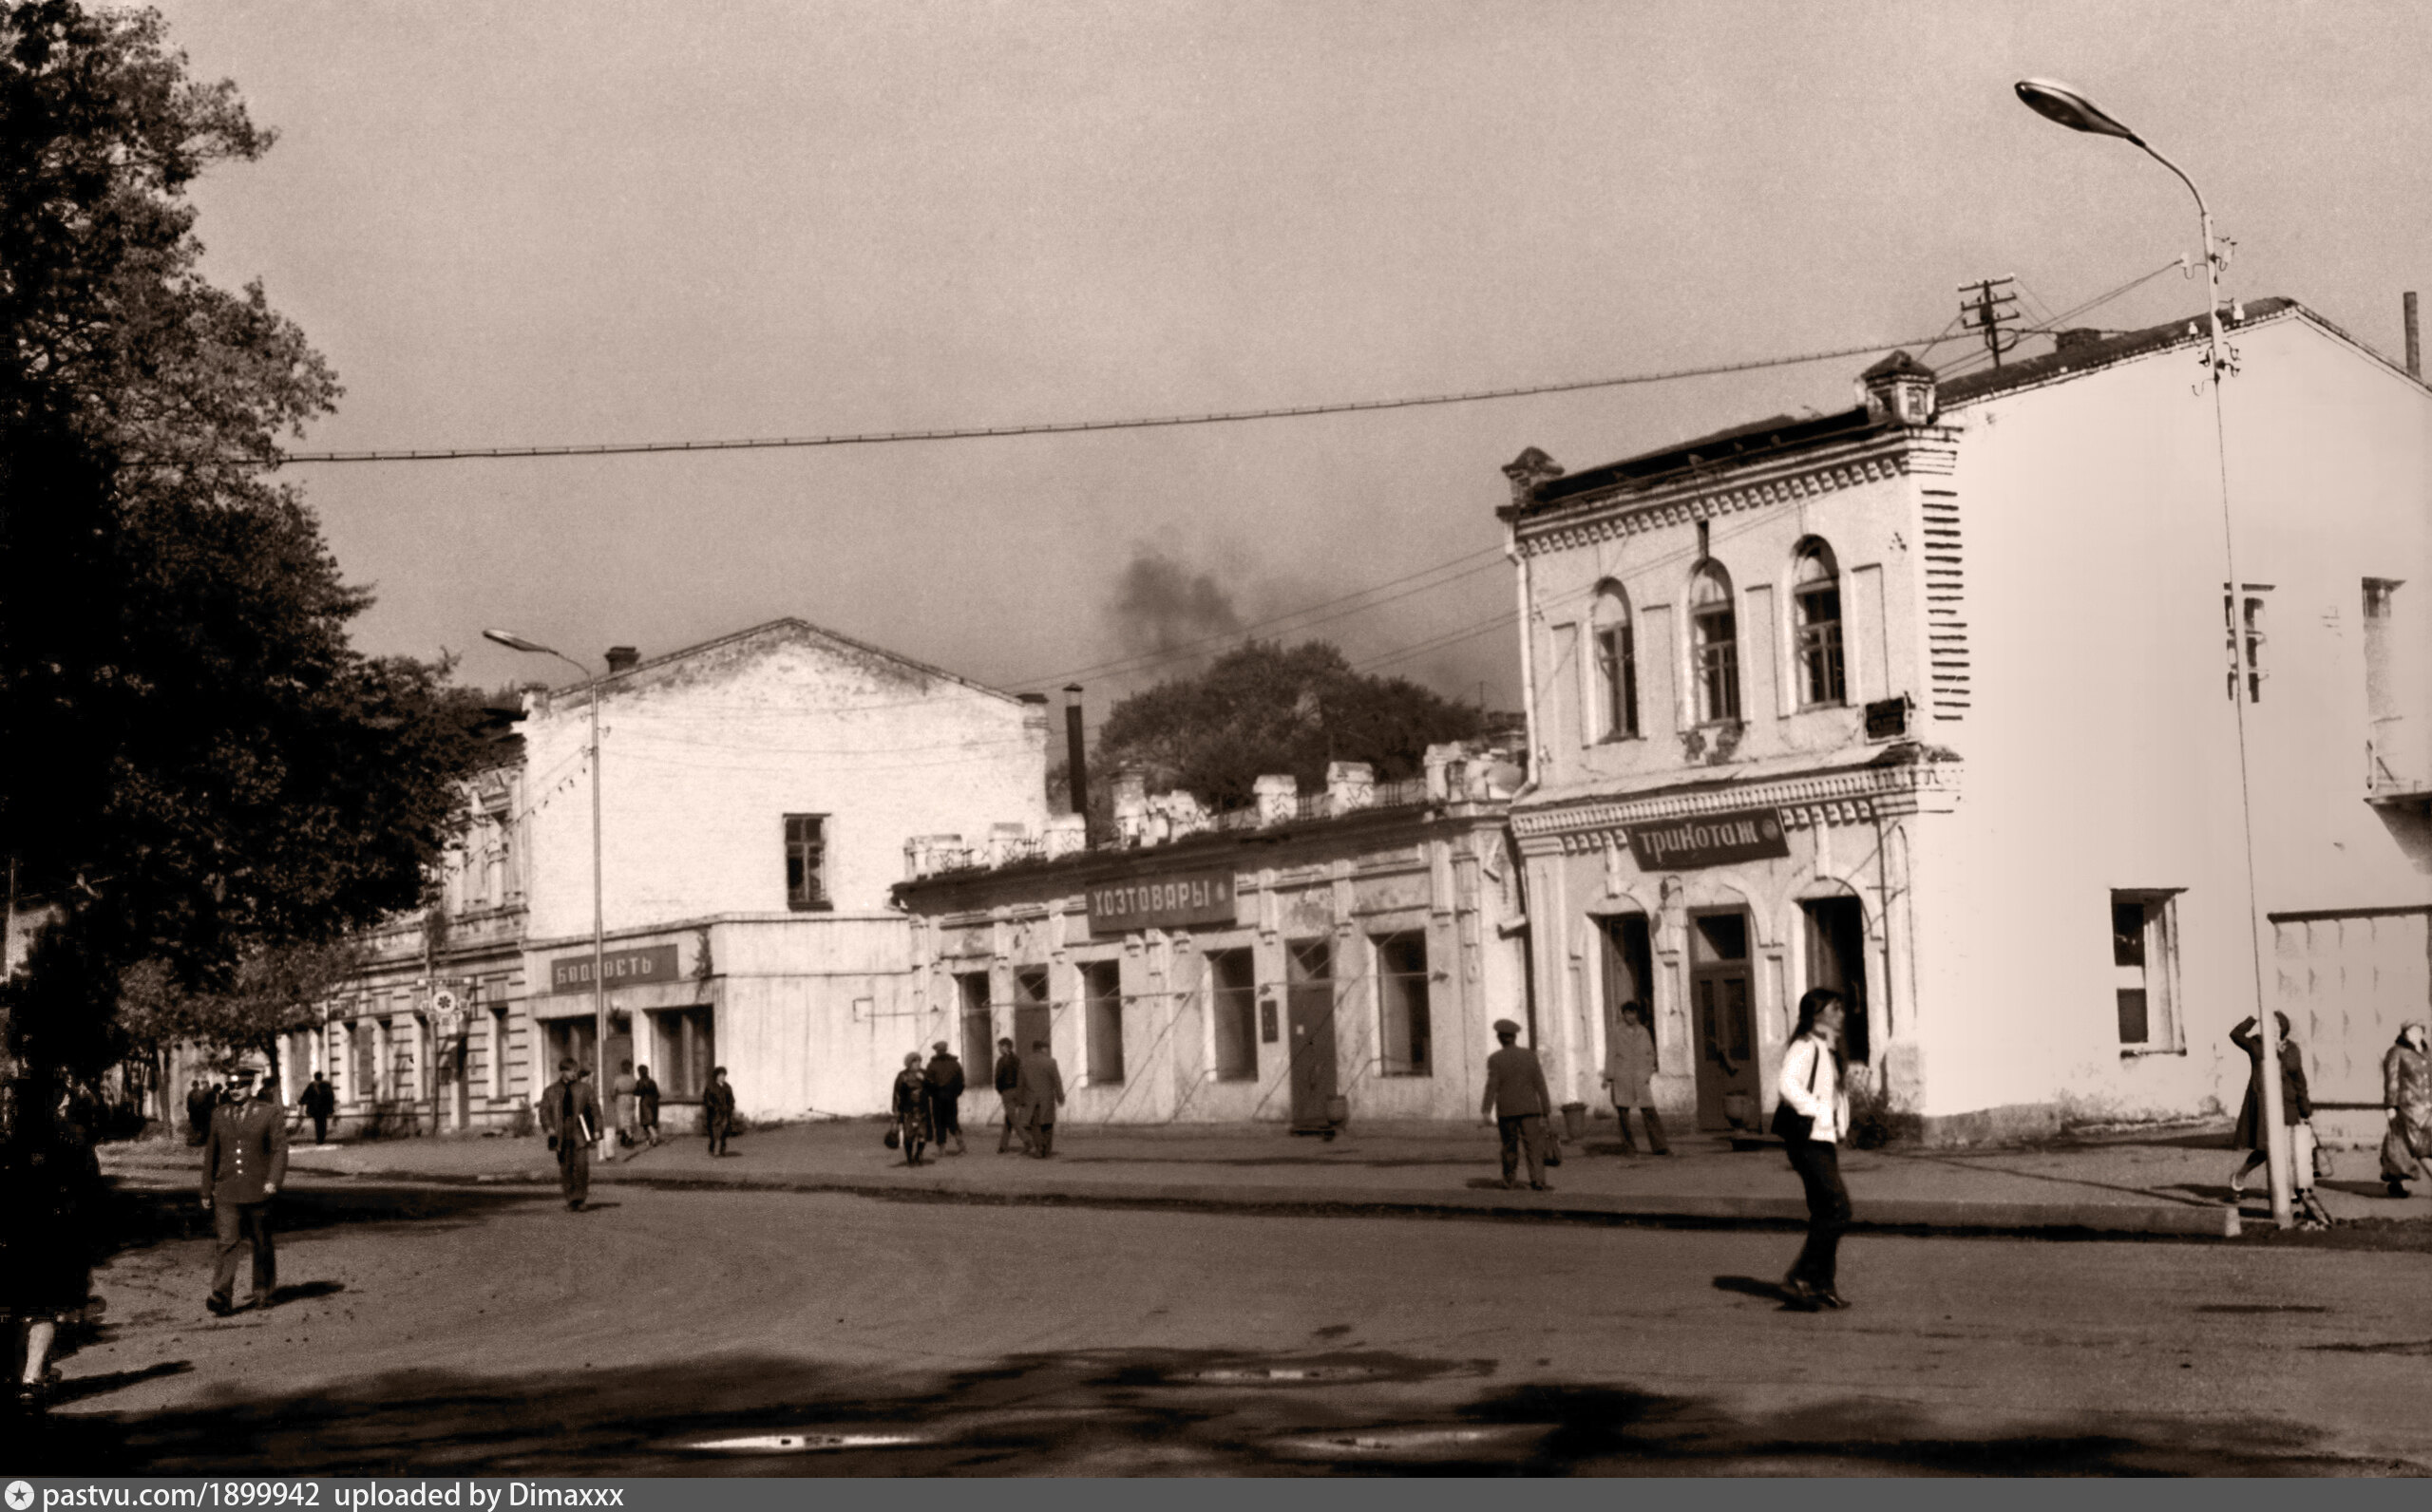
point(1162, 606)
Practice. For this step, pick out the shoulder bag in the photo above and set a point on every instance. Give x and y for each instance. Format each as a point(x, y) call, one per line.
point(1790, 1124)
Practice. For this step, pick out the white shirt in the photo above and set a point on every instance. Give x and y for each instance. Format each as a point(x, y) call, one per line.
point(1804, 1066)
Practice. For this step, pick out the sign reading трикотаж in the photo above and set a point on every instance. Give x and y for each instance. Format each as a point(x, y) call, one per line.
point(1163, 902)
point(1709, 840)
point(651, 963)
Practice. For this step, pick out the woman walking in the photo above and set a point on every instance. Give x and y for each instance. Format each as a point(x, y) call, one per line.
point(2406, 1091)
point(1812, 1119)
point(2297, 1106)
point(912, 1108)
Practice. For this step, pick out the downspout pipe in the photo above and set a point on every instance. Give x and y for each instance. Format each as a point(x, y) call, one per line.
point(1525, 588)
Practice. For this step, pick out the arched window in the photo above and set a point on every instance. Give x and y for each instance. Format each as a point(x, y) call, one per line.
point(1815, 593)
point(1714, 634)
point(1616, 665)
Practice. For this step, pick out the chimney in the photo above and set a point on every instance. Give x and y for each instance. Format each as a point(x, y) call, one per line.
point(1075, 751)
point(2414, 337)
point(622, 659)
point(1527, 471)
point(1899, 389)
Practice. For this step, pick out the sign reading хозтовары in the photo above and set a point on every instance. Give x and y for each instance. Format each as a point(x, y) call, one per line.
point(632, 968)
point(1163, 902)
point(1709, 840)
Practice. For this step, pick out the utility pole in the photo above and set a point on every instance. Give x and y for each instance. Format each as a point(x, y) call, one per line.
point(1992, 312)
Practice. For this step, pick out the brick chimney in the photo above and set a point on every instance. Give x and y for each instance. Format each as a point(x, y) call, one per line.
point(1899, 389)
point(622, 659)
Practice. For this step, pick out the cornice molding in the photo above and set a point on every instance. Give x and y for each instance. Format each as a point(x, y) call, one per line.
point(1860, 795)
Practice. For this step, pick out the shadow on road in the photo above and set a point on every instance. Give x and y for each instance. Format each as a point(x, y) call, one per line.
point(138, 1217)
point(1163, 1413)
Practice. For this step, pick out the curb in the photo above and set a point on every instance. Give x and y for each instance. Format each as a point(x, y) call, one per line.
point(1887, 1215)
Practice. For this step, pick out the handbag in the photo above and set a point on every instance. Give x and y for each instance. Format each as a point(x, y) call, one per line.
point(2323, 1169)
point(1790, 1124)
point(894, 1138)
point(1552, 1151)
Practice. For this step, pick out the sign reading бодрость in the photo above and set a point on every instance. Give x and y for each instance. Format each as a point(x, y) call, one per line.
point(652, 963)
point(1192, 898)
point(1709, 840)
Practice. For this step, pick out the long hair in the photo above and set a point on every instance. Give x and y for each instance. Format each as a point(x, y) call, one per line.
point(1811, 1006)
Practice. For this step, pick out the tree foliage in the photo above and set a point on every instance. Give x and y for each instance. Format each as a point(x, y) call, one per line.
point(1265, 707)
point(203, 770)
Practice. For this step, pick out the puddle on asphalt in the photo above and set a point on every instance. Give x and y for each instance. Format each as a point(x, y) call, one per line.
point(801, 1443)
point(1410, 1441)
point(1273, 1374)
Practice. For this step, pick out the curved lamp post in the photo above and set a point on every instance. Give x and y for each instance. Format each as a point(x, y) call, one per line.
point(2058, 101)
point(599, 911)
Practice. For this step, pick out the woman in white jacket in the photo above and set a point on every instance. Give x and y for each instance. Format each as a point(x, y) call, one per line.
point(1813, 1120)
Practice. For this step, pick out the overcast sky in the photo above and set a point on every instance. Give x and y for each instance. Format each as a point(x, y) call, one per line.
point(558, 222)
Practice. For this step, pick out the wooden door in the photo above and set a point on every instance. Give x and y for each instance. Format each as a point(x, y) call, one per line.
point(1309, 1018)
point(1723, 1016)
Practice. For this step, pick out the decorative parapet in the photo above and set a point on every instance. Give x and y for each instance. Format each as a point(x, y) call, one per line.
point(1857, 796)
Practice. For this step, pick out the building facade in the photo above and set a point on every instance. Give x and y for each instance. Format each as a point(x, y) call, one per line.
point(1930, 701)
point(1317, 959)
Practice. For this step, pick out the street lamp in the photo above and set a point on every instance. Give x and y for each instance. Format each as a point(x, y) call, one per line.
point(2058, 101)
point(598, 910)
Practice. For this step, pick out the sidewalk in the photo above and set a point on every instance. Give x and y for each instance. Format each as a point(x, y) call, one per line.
point(2171, 1183)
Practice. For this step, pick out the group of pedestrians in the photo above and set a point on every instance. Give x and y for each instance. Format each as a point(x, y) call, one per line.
point(570, 1117)
point(2406, 1098)
point(926, 1101)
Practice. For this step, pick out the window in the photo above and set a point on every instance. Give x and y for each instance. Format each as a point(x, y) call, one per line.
point(1815, 593)
point(2251, 664)
point(1233, 1008)
point(1034, 1015)
point(1714, 634)
point(979, 1039)
point(1401, 1004)
point(498, 1052)
point(687, 1048)
point(2385, 766)
point(807, 862)
point(2144, 962)
point(363, 1041)
point(1102, 1010)
point(1616, 667)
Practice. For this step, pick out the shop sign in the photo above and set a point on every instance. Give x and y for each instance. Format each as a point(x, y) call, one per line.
point(633, 968)
point(1709, 840)
point(1163, 902)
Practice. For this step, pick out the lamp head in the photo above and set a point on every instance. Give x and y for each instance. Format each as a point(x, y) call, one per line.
point(2055, 101)
point(514, 642)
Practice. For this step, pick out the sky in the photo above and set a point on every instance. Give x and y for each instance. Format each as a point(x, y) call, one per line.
point(554, 223)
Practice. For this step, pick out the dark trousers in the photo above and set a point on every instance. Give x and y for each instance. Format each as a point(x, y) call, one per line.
point(236, 1226)
point(1524, 1137)
point(320, 1128)
point(945, 1116)
point(1655, 1140)
point(573, 1169)
point(720, 1129)
point(1818, 1165)
point(1042, 1139)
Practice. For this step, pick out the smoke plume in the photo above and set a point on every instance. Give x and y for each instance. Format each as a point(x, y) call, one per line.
point(1161, 606)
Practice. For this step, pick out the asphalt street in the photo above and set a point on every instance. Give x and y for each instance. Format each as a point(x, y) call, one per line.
point(488, 1331)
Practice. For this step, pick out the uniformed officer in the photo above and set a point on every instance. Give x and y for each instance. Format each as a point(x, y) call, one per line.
point(1517, 1100)
point(570, 1116)
point(244, 1159)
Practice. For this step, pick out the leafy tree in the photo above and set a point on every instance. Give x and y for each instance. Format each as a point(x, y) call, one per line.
point(1265, 708)
point(203, 771)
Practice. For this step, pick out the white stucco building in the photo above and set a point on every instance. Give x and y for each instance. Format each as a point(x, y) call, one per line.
point(1930, 700)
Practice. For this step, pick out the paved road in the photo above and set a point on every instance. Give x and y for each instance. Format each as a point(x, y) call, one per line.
point(484, 1331)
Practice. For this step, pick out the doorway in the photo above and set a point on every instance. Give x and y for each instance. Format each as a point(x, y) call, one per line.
point(1721, 987)
point(1628, 965)
point(1837, 958)
point(1309, 1016)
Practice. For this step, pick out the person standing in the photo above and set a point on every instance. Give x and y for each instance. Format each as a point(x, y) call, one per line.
point(244, 1159)
point(1812, 1119)
point(319, 1101)
point(1008, 1097)
point(1517, 1101)
point(628, 1107)
point(945, 1077)
point(2407, 1092)
point(200, 1100)
point(1629, 1067)
point(646, 1105)
point(1042, 1092)
point(2297, 1106)
point(46, 1249)
point(909, 1098)
point(570, 1116)
point(718, 1109)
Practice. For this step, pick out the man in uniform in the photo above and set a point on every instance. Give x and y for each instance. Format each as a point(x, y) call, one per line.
point(944, 1076)
point(245, 1158)
point(570, 1116)
point(1517, 1100)
point(1008, 1097)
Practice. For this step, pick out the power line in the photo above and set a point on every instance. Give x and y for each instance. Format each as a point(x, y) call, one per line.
point(1071, 427)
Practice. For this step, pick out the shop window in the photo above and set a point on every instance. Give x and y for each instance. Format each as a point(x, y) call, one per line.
point(1232, 1008)
point(686, 1048)
point(1616, 666)
point(1815, 593)
point(1034, 1015)
point(2247, 608)
point(1102, 1019)
point(807, 862)
point(1714, 634)
point(497, 1052)
point(2144, 962)
point(1401, 1004)
point(978, 1027)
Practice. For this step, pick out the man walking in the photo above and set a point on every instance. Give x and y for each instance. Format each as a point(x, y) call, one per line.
point(646, 1106)
point(245, 1158)
point(944, 1076)
point(1517, 1100)
point(1629, 1065)
point(623, 1088)
point(718, 1109)
point(319, 1101)
point(570, 1116)
point(1041, 1091)
point(1008, 1097)
point(200, 1100)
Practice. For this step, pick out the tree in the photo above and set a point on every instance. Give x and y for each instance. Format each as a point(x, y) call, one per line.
point(1266, 709)
point(203, 771)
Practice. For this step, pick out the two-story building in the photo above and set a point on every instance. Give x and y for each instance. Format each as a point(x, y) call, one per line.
point(1931, 701)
